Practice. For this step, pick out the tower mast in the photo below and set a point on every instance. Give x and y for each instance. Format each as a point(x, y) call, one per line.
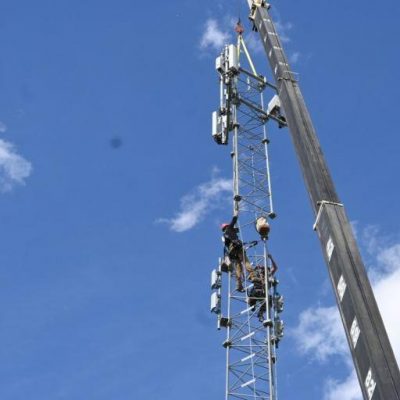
point(251, 316)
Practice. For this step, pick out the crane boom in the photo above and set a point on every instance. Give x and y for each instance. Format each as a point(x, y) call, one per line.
point(373, 357)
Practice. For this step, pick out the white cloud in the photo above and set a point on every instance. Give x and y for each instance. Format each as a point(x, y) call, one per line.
point(371, 239)
point(213, 36)
point(389, 258)
point(216, 35)
point(283, 29)
point(295, 57)
point(320, 334)
point(347, 390)
point(14, 169)
point(388, 297)
point(3, 127)
point(197, 204)
point(254, 44)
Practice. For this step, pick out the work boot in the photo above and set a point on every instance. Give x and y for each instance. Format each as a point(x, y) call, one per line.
point(260, 316)
point(239, 287)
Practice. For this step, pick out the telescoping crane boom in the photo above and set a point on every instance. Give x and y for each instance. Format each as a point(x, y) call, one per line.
point(373, 357)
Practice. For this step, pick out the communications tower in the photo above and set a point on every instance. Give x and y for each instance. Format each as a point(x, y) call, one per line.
point(251, 316)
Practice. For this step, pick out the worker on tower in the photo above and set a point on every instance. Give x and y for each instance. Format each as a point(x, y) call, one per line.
point(235, 251)
point(257, 292)
point(274, 265)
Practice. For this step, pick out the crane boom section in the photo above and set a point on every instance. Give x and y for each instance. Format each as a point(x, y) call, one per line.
point(371, 351)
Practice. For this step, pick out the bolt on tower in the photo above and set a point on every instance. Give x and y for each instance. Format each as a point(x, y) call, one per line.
point(245, 294)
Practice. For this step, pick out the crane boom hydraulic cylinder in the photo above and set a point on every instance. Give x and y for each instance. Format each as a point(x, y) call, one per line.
point(372, 353)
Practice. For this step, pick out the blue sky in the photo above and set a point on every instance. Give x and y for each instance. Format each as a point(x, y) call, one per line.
point(105, 131)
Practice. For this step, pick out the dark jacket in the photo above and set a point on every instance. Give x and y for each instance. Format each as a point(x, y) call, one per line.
point(230, 236)
point(258, 278)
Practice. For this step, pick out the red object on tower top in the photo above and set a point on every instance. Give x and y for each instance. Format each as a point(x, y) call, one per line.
point(239, 28)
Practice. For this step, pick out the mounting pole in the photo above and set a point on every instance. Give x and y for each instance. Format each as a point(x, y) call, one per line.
point(372, 353)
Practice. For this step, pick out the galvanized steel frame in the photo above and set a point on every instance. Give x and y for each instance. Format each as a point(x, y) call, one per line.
point(250, 343)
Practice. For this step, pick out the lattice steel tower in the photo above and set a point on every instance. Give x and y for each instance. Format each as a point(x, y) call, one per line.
point(250, 316)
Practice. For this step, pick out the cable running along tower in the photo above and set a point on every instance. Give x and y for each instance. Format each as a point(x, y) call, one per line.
point(250, 317)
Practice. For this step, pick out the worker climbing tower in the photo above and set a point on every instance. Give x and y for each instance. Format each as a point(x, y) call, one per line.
point(249, 311)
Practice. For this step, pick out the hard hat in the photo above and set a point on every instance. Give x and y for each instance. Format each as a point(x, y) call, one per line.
point(224, 226)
